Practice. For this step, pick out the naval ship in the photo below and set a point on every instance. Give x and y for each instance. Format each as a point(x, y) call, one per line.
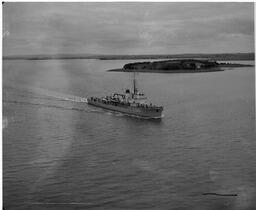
point(131, 102)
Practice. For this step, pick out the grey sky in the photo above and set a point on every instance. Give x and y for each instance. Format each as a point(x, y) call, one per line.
point(127, 28)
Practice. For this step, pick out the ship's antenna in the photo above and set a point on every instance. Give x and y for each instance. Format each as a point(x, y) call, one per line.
point(134, 84)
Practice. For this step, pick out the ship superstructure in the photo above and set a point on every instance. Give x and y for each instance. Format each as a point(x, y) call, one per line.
point(131, 102)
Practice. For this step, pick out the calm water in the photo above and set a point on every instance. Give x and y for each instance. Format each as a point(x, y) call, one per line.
point(60, 153)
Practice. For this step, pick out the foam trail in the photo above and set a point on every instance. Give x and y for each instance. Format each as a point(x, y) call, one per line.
point(61, 96)
point(50, 106)
point(57, 95)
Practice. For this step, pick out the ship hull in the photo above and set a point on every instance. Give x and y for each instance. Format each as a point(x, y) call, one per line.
point(135, 111)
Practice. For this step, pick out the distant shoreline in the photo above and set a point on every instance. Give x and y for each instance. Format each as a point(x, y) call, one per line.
point(166, 71)
point(178, 66)
point(219, 57)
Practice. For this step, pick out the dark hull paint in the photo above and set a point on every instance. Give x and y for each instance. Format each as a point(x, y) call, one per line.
point(137, 111)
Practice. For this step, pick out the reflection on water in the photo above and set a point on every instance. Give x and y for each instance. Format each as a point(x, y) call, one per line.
point(60, 153)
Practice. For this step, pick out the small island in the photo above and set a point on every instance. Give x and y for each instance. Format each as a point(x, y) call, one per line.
point(177, 66)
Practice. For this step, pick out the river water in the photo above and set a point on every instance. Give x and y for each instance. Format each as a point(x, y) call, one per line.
point(60, 153)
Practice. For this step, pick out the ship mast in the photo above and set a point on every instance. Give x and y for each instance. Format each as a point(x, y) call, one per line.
point(134, 84)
